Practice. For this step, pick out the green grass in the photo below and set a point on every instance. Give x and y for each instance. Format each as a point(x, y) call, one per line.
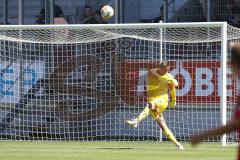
point(42, 150)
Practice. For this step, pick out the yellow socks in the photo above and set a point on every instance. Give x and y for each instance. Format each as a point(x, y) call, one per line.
point(171, 137)
point(143, 115)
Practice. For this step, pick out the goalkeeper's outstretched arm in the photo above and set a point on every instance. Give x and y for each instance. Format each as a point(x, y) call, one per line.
point(172, 89)
point(173, 96)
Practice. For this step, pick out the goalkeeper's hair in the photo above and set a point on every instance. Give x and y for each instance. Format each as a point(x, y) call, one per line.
point(164, 67)
point(163, 64)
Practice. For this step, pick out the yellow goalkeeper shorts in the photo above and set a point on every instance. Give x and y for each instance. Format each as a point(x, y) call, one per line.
point(161, 106)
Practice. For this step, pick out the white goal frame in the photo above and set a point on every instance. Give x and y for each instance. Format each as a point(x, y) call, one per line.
point(224, 40)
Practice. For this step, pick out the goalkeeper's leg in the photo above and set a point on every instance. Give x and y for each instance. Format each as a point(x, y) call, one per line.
point(166, 131)
point(142, 116)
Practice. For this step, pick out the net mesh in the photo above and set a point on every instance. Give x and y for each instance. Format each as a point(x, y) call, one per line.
point(90, 34)
point(81, 83)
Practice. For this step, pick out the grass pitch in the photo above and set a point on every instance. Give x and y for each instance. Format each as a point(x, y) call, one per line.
point(44, 150)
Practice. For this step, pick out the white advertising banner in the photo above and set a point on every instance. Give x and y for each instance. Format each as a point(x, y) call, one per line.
point(16, 78)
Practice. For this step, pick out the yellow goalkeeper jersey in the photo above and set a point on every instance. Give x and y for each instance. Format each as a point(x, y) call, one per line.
point(158, 86)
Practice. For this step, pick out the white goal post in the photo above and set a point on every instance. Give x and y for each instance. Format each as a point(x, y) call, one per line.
point(79, 82)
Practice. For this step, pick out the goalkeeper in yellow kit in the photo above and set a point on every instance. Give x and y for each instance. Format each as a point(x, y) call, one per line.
point(160, 84)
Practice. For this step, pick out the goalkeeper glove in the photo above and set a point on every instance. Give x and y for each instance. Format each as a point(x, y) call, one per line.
point(172, 103)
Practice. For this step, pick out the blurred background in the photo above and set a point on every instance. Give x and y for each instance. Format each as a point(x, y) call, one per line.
point(126, 11)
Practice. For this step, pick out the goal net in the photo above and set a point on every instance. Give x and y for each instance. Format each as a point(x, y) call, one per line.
point(80, 82)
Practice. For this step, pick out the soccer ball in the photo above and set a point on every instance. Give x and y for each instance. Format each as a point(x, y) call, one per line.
point(107, 12)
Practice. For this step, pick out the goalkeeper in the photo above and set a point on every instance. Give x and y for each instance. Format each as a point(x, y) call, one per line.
point(160, 83)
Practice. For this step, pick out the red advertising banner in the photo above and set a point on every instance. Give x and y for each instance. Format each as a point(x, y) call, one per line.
point(199, 81)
